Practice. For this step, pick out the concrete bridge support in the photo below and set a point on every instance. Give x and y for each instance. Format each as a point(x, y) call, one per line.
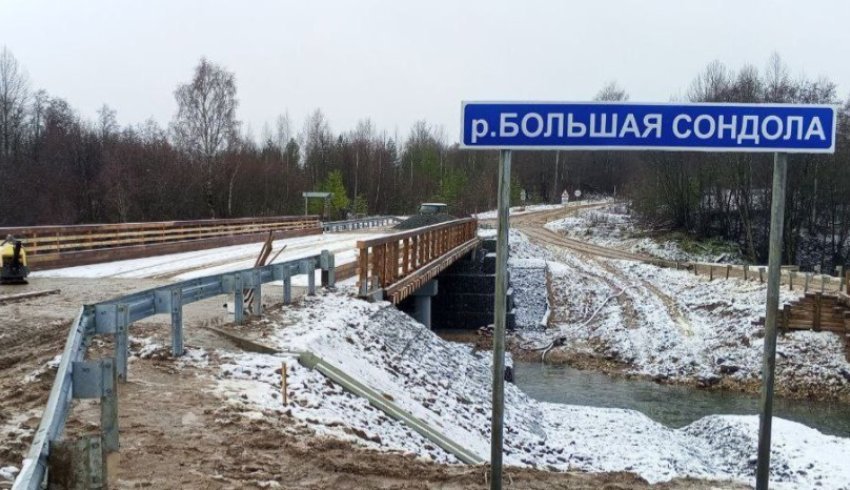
point(422, 302)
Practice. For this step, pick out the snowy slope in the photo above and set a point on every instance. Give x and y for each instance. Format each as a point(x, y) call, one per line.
point(448, 385)
point(613, 226)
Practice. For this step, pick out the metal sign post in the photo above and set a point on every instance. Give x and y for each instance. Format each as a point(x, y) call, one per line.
point(777, 220)
point(498, 419)
point(763, 128)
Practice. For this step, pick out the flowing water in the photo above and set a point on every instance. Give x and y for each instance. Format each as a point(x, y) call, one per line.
point(671, 405)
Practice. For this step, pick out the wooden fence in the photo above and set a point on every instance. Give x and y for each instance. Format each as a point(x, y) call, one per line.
point(790, 276)
point(816, 311)
point(62, 246)
point(399, 264)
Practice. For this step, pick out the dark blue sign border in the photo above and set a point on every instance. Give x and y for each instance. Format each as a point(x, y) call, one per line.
point(715, 127)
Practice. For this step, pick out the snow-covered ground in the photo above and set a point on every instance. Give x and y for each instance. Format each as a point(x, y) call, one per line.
point(448, 385)
point(188, 265)
point(519, 210)
point(613, 226)
point(674, 326)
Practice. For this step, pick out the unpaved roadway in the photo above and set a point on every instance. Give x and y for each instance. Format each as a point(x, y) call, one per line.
point(177, 433)
point(533, 225)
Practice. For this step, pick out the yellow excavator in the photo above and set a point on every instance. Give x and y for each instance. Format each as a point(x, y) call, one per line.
point(13, 262)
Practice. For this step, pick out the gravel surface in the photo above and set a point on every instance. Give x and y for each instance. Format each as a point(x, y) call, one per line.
point(420, 220)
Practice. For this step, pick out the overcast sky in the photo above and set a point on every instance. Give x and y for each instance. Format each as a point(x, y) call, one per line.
point(399, 61)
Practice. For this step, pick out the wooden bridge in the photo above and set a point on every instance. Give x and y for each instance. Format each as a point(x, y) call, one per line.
point(63, 246)
point(395, 266)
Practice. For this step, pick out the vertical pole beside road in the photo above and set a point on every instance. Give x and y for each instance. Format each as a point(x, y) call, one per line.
point(777, 219)
point(497, 424)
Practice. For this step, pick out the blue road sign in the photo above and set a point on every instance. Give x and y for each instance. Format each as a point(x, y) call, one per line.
point(788, 128)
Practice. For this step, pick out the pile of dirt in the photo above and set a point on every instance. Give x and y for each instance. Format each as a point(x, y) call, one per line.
point(420, 220)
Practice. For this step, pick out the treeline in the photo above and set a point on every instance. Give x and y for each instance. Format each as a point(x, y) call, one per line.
point(728, 195)
point(57, 167)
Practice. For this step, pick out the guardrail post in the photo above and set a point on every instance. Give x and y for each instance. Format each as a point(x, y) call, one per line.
point(257, 297)
point(328, 263)
point(309, 267)
point(76, 464)
point(97, 379)
point(287, 284)
point(177, 322)
point(122, 340)
point(238, 300)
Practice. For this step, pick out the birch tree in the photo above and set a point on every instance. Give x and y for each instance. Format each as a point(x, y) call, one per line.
point(205, 125)
point(13, 98)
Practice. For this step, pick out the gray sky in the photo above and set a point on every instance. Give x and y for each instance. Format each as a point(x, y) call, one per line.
point(400, 61)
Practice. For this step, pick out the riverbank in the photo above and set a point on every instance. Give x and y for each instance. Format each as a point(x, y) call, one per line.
point(626, 318)
point(446, 385)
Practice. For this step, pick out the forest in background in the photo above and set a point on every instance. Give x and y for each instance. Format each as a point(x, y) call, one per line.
point(57, 167)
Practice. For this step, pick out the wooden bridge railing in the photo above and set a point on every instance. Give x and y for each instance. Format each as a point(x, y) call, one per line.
point(398, 264)
point(80, 244)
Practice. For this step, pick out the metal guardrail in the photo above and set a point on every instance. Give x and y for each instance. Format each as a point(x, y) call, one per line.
point(359, 224)
point(77, 378)
point(381, 402)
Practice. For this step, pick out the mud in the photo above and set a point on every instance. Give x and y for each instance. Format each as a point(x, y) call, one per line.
point(176, 433)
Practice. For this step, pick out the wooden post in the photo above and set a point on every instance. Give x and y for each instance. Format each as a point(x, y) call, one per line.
point(377, 265)
point(761, 275)
point(746, 272)
point(728, 270)
point(405, 267)
point(791, 275)
point(818, 307)
point(283, 383)
point(711, 272)
point(786, 317)
point(363, 273)
point(414, 252)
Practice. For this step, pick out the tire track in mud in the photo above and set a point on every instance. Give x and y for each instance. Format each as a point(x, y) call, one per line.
point(625, 302)
point(533, 225)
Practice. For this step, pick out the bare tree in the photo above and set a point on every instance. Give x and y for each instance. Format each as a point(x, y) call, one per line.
point(318, 140)
point(13, 99)
point(205, 125)
point(712, 85)
point(612, 92)
point(107, 124)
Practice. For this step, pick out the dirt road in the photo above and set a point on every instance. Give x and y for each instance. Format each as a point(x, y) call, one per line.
point(533, 225)
point(176, 432)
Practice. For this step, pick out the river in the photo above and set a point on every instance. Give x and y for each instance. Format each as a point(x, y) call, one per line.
point(671, 405)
